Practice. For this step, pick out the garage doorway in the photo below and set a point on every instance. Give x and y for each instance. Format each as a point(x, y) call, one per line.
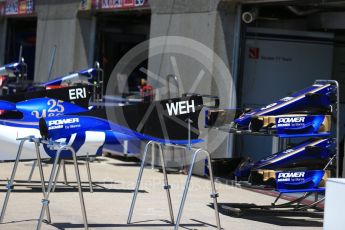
point(21, 32)
point(116, 35)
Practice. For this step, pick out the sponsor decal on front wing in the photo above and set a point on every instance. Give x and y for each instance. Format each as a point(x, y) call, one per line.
point(290, 121)
point(290, 176)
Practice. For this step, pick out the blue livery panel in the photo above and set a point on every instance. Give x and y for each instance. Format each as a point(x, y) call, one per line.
point(37, 108)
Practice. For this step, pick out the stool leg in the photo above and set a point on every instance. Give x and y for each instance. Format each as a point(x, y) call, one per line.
point(184, 159)
point(64, 171)
point(45, 201)
point(166, 184)
point(184, 196)
point(81, 197)
point(138, 183)
point(89, 173)
point(57, 174)
point(34, 163)
point(153, 152)
point(39, 162)
point(10, 183)
point(214, 194)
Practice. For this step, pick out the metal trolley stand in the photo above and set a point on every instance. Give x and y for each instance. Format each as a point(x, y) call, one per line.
point(59, 147)
point(167, 187)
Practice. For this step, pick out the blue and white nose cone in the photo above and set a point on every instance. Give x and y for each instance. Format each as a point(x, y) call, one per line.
point(315, 99)
point(84, 143)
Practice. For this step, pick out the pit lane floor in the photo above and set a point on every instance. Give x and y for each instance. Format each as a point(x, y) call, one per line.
point(108, 206)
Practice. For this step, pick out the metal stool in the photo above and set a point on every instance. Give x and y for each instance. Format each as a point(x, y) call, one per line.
point(167, 187)
point(45, 202)
point(166, 182)
point(62, 165)
point(10, 185)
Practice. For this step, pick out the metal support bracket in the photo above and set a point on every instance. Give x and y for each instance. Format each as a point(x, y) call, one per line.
point(167, 187)
point(9, 186)
point(214, 195)
point(45, 202)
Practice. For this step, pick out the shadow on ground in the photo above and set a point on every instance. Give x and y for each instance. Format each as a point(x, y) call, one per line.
point(275, 217)
point(98, 187)
point(139, 224)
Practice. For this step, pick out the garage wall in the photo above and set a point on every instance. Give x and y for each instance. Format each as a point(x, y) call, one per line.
point(84, 41)
point(211, 23)
point(58, 25)
point(3, 27)
point(227, 33)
